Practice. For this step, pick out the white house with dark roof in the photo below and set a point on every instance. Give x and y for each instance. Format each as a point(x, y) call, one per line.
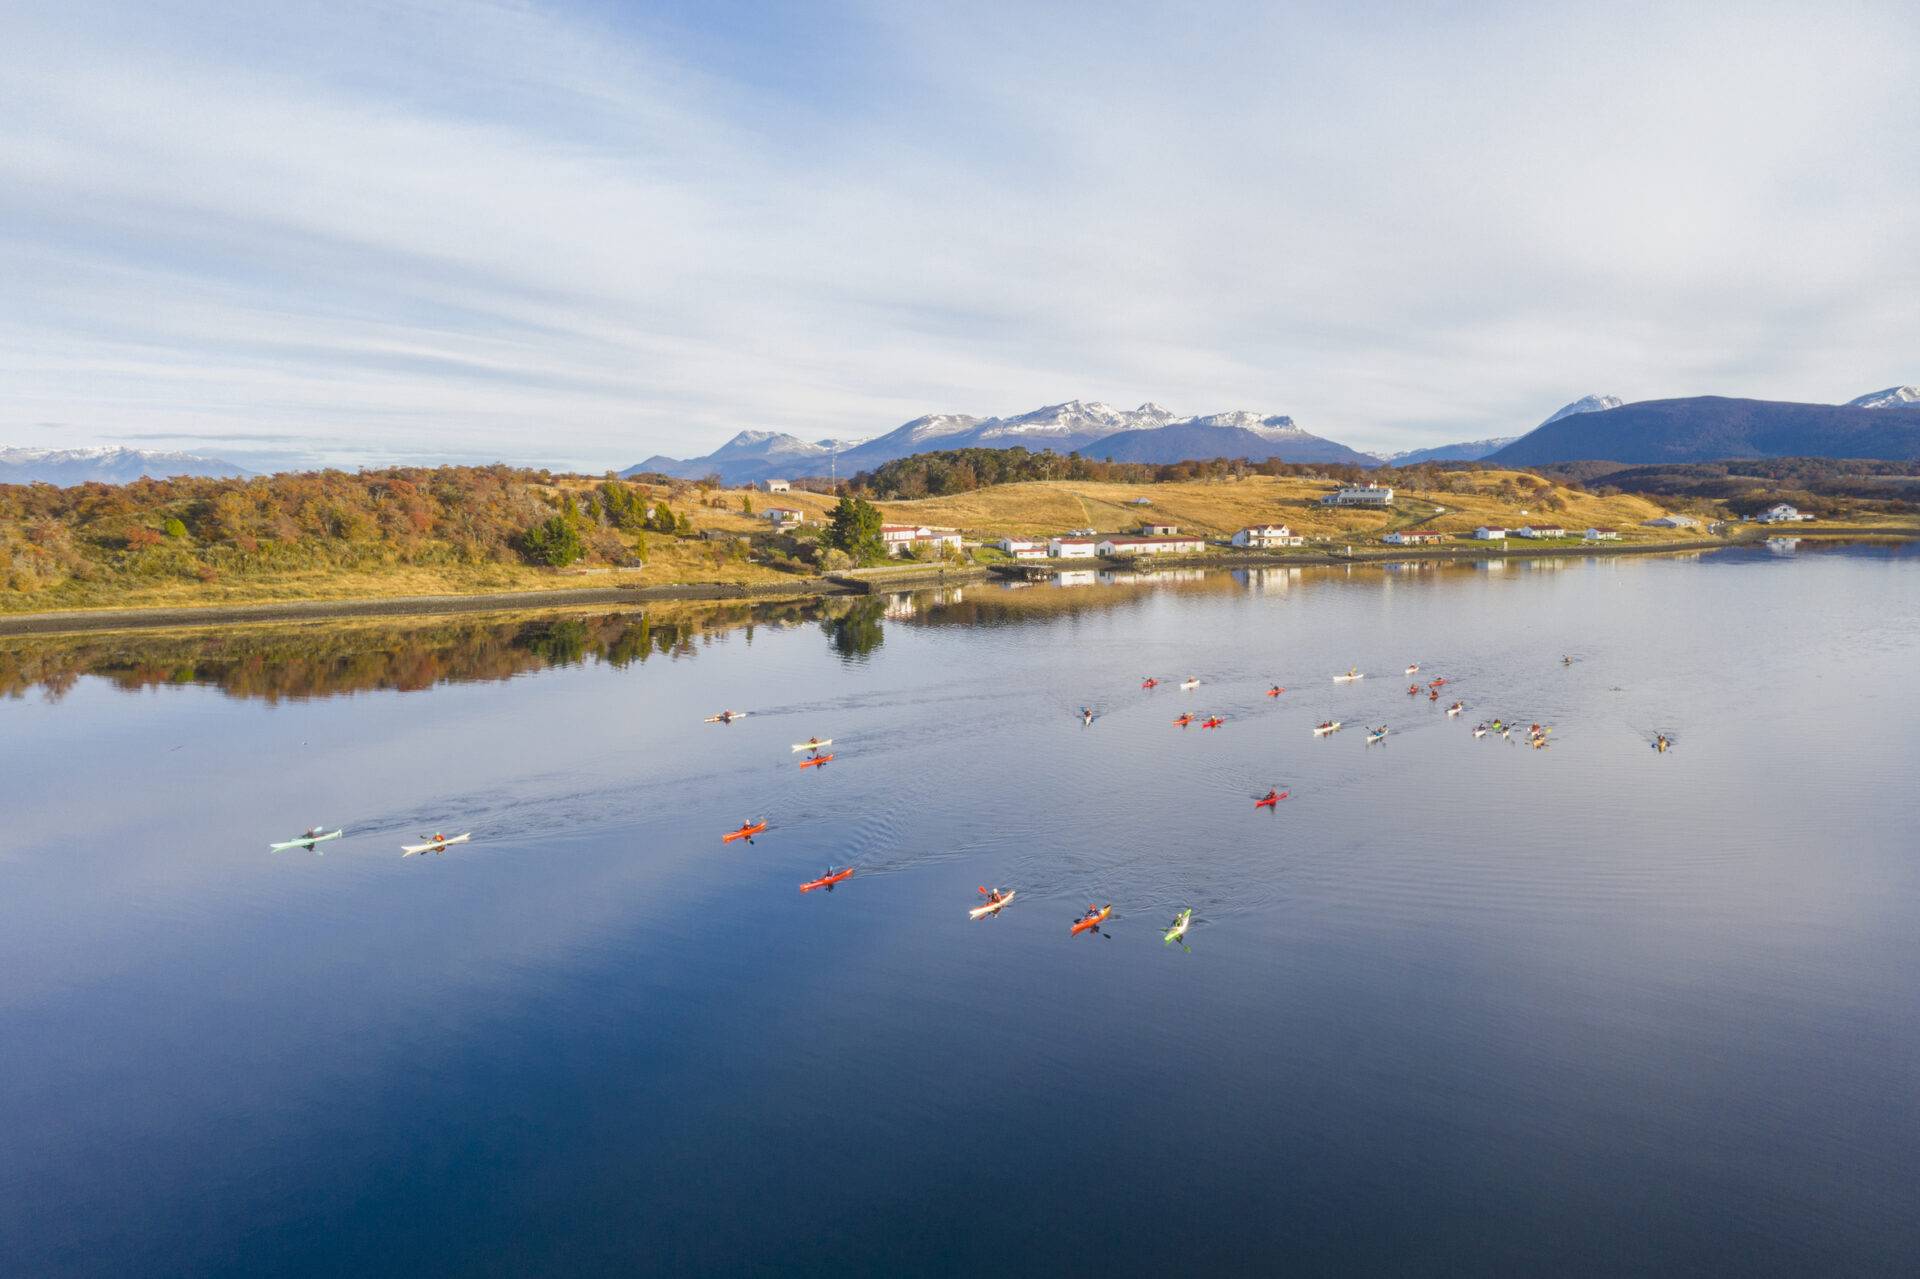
point(1267, 537)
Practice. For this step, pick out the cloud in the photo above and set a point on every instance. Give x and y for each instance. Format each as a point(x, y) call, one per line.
point(563, 234)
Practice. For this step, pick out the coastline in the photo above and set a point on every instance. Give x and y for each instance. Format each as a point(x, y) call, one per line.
point(852, 582)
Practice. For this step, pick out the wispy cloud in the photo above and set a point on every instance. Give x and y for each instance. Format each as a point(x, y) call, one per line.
point(568, 234)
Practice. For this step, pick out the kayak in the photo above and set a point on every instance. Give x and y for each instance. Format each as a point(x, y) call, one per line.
point(813, 746)
point(1149, 683)
point(304, 842)
point(1179, 928)
point(1276, 690)
point(1348, 676)
point(1186, 684)
point(1270, 801)
point(1327, 728)
point(434, 846)
point(1413, 668)
point(1454, 710)
point(814, 761)
point(1413, 690)
point(1215, 722)
point(745, 832)
point(1183, 721)
point(724, 716)
point(1374, 737)
point(1479, 732)
point(1437, 683)
point(826, 881)
point(1092, 919)
point(992, 908)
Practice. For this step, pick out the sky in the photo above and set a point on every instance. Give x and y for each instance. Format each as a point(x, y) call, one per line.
point(578, 234)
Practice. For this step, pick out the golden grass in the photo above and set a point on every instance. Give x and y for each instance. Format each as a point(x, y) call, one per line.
point(1222, 507)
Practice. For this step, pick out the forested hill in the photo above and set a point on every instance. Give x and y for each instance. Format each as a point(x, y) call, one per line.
point(207, 528)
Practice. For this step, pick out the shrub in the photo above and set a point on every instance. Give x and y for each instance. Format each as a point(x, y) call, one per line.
point(174, 527)
point(555, 543)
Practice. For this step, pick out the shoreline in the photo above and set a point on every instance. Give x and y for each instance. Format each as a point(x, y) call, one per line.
point(853, 582)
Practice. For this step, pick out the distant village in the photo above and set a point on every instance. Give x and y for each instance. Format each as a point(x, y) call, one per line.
point(1153, 537)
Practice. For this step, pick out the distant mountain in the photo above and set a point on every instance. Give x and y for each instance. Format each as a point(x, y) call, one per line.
point(759, 455)
point(1238, 434)
point(1710, 427)
point(1468, 451)
point(105, 466)
point(1894, 397)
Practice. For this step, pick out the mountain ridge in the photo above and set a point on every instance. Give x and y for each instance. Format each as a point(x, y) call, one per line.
point(105, 465)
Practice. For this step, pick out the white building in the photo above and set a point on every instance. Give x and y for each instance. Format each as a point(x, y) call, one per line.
point(1414, 539)
point(776, 486)
point(1540, 530)
point(1602, 535)
point(1781, 513)
point(1368, 494)
point(1151, 546)
point(1487, 533)
point(1159, 530)
point(785, 515)
point(1267, 536)
point(1673, 521)
point(1072, 548)
point(898, 537)
point(1023, 548)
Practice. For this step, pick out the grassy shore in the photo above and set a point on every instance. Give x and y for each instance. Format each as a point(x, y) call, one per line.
point(735, 548)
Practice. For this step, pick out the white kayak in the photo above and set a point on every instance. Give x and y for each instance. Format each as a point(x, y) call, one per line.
point(811, 746)
point(1454, 710)
point(1186, 684)
point(1375, 737)
point(725, 716)
point(991, 907)
point(1413, 668)
point(1326, 728)
point(1351, 675)
point(305, 841)
point(1479, 732)
point(408, 850)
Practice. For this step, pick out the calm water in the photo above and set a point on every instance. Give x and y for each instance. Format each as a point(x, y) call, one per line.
point(1457, 1007)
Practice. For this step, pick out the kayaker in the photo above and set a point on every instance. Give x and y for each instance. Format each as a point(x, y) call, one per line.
point(1270, 795)
point(744, 828)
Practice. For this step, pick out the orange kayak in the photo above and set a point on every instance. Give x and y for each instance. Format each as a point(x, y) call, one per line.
point(1268, 803)
point(826, 881)
point(817, 759)
point(1092, 919)
point(1183, 721)
point(1276, 690)
point(1215, 722)
point(745, 832)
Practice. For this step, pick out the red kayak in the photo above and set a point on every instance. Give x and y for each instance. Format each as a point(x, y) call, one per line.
point(1149, 683)
point(1183, 721)
point(1270, 800)
point(1276, 690)
point(745, 832)
point(817, 759)
point(1437, 683)
point(1215, 722)
point(1092, 919)
point(827, 881)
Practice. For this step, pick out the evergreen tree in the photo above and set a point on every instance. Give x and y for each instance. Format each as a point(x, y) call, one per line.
point(555, 543)
point(856, 530)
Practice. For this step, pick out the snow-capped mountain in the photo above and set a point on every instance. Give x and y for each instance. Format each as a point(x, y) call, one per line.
point(1587, 404)
point(105, 465)
point(1076, 424)
point(767, 454)
point(1894, 397)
